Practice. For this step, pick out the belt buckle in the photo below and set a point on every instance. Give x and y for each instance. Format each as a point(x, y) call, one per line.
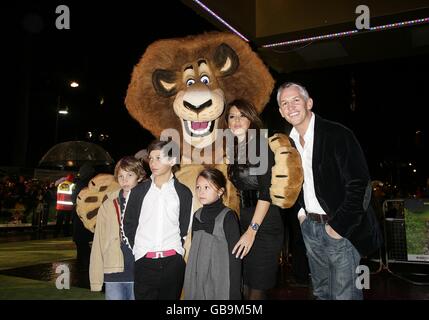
point(322, 218)
point(319, 218)
point(159, 254)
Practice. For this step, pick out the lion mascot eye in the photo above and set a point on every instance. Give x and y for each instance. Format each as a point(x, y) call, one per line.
point(190, 82)
point(205, 79)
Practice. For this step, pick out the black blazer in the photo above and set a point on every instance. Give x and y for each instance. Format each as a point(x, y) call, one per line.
point(135, 202)
point(343, 186)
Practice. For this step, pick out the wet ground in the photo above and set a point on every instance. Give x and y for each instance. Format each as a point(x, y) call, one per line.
point(50, 271)
point(24, 234)
point(383, 285)
point(400, 282)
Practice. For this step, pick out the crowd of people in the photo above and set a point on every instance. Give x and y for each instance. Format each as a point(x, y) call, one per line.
point(26, 200)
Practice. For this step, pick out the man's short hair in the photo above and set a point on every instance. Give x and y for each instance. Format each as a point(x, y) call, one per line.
point(302, 90)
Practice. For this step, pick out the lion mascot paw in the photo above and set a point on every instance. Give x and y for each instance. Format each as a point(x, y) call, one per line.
point(90, 198)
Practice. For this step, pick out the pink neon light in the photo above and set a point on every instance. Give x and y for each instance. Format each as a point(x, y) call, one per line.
point(202, 5)
point(348, 33)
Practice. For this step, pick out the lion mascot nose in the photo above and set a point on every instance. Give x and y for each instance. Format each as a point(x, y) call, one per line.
point(197, 98)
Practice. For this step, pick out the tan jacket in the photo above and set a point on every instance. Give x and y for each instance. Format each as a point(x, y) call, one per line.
point(106, 253)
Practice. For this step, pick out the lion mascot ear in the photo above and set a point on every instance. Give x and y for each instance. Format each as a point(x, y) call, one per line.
point(225, 60)
point(164, 82)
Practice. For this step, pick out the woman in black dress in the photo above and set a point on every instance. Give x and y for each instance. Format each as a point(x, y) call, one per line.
point(260, 221)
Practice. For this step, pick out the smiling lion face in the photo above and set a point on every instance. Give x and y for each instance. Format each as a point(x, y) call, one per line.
point(185, 83)
point(199, 100)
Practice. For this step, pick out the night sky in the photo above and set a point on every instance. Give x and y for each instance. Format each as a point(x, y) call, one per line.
point(107, 39)
point(104, 43)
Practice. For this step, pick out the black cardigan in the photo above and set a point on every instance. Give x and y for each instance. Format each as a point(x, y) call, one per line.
point(135, 202)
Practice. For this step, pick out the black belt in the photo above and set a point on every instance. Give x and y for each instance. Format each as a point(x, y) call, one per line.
point(320, 218)
point(248, 198)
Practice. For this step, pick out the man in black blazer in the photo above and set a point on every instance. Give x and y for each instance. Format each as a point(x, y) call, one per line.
point(337, 223)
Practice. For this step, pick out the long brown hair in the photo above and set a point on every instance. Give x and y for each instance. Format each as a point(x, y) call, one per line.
point(247, 109)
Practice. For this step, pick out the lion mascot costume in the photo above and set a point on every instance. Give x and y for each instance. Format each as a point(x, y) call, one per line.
point(184, 84)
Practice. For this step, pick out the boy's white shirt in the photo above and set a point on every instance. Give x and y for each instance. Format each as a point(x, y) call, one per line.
point(186, 245)
point(159, 232)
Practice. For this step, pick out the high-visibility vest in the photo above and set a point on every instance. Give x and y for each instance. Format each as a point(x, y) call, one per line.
point(64, 195)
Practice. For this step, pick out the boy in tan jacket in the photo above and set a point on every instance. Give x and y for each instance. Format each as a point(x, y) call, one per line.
point(112, 260)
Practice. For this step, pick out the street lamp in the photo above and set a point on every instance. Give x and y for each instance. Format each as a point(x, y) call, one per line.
point(62, 110)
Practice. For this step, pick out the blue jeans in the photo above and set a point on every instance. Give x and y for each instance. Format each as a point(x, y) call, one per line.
point(119, 291)
point(333, 263)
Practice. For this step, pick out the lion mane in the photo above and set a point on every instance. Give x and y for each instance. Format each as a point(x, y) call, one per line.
point(159, 78)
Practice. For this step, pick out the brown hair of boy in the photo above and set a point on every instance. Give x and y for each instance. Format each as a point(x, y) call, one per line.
point(130, 164)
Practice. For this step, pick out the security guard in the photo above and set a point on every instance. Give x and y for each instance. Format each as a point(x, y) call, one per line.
point(65, 205)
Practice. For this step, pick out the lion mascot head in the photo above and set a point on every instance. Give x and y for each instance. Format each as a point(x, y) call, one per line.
point(185, 83)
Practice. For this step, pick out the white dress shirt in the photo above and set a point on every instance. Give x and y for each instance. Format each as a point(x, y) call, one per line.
point(158, 228)
point(306, 152)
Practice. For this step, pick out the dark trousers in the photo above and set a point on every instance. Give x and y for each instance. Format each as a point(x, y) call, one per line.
point(83, 253)
point(63, 222)
point(295, 241)
point(159, 279)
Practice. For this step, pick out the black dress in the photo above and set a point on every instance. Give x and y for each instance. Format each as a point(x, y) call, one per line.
point(261, 263)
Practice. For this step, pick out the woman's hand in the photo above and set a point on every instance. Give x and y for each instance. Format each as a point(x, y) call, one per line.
point(245, 243)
